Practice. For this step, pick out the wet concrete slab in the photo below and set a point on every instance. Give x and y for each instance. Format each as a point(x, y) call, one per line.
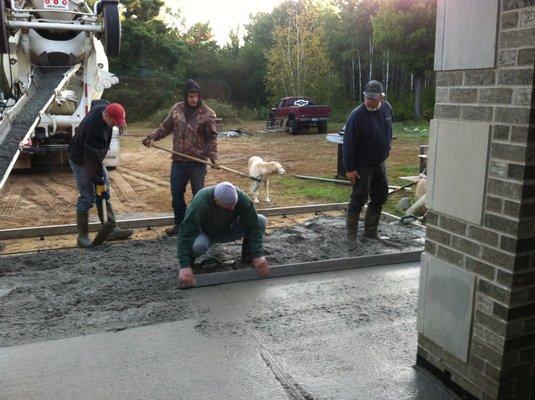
point(339, 335)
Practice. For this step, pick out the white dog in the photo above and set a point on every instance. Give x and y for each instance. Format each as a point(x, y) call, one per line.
point(259, 168)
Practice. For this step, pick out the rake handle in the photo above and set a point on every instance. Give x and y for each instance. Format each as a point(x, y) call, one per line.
point(200, 160)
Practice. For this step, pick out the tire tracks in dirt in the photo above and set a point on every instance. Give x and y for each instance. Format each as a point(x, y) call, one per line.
point(47, 199)
point(129, 195)
point(9, 202)
point(144, 179)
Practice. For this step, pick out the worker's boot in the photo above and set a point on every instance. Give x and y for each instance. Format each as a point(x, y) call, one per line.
point(371, 222)
point(173, 231)
point(117, 233)
point(82, 223)
point(352, 224)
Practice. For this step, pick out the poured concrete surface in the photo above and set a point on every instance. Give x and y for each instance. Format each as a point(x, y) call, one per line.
point(340, 335)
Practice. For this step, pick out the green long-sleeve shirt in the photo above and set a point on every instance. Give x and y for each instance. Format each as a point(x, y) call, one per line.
point(204, 214)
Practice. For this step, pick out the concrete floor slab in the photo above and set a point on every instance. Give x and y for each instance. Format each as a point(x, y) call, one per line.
point(339, 335)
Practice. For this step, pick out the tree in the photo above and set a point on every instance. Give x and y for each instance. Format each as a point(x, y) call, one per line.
point(297, 63)
point(407, 30)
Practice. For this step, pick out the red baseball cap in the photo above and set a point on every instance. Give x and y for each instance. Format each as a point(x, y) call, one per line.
point(116, 112)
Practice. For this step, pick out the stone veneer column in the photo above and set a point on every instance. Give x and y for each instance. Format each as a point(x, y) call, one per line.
point(499, 252)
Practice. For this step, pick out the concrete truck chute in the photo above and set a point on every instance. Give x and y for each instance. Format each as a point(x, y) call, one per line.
point(55, 60)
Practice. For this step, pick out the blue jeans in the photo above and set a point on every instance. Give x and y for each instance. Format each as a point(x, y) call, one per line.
point(181, 174)
point(85, 186)
point(202, 242)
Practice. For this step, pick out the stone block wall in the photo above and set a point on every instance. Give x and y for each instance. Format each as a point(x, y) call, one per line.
point(501, 251)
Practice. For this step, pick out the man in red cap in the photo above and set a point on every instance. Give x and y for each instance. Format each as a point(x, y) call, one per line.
point(87, 150)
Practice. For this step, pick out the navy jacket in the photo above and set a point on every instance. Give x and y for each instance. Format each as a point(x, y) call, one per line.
point(367, 136)
point(91, 142)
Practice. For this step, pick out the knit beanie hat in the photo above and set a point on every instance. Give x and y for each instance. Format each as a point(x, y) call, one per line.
point(226, 194)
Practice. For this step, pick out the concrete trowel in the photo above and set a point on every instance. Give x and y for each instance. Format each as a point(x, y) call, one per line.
point(107, 227)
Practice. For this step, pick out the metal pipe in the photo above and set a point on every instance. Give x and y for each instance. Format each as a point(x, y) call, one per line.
point(54, 26)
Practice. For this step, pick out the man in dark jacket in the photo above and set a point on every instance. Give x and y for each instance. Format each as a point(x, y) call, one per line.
point(87, 150)
point(192, 124)
point(367, 142)
point(220, 214)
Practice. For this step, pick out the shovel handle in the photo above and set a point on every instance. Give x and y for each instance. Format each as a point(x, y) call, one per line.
point(104, 211)
point(206, 162)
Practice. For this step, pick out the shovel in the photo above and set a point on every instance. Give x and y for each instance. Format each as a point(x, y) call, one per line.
point(106, 229)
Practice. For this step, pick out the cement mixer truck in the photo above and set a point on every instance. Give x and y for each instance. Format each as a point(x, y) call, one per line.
point(55, 60)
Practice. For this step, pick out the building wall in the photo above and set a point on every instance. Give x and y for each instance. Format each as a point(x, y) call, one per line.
point(500, 251)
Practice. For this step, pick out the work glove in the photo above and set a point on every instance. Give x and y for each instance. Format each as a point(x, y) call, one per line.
point(100, 189)
point(147, 142)
point(215, 163)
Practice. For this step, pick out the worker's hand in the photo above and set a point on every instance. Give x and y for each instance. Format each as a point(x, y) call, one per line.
point(186, 277)
point(101, 191)
point(353, 176)
point(261, 265)
point(215, 164)
point(148, 142)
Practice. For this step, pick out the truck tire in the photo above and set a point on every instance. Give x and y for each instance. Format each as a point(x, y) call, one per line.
point(322, 127)
point(4, 38)
point(112, 28)
point(294, 127)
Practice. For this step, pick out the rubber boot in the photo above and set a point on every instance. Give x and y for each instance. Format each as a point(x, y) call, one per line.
point(108, 226)
point(117, 233)
point(82, 223)
point(352, 224)
point(371, 222)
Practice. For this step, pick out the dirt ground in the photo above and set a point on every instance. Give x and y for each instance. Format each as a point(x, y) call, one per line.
point(140, 185)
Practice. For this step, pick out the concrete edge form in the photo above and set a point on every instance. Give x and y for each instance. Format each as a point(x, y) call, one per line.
point(249, 274)
point(50, 230)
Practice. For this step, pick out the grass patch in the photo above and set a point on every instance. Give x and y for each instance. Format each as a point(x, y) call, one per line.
point(320, 192)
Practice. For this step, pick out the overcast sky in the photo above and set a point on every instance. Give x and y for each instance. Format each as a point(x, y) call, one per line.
point(223, 15)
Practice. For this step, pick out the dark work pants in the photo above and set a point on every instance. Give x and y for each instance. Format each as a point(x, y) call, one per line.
point(181, 174)
point(373, 183)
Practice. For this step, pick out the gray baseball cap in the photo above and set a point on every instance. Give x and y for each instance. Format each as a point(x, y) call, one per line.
point(373, 90)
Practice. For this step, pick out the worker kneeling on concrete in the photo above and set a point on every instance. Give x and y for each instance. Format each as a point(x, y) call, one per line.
point(87, 150)
point(220, 214)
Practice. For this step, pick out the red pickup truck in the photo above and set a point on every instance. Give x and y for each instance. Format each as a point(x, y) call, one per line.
point(299, 113)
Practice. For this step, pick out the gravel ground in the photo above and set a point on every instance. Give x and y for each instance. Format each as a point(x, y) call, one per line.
point(47, 80)
point(55, 294)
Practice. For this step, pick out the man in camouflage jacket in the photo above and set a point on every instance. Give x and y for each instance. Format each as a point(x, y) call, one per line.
point(192, 124)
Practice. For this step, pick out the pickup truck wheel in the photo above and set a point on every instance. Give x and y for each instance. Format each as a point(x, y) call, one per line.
point(322, 127)
point(4, 38)
point(112, 28)
point(294, 127)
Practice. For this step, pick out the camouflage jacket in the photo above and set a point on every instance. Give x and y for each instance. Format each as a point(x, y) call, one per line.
point(197, 137)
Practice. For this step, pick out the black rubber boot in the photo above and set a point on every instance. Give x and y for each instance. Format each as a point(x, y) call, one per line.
point(352, 225)
point(172, 231)
point(82, 223)
point(371, 222)
point(117, 233)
